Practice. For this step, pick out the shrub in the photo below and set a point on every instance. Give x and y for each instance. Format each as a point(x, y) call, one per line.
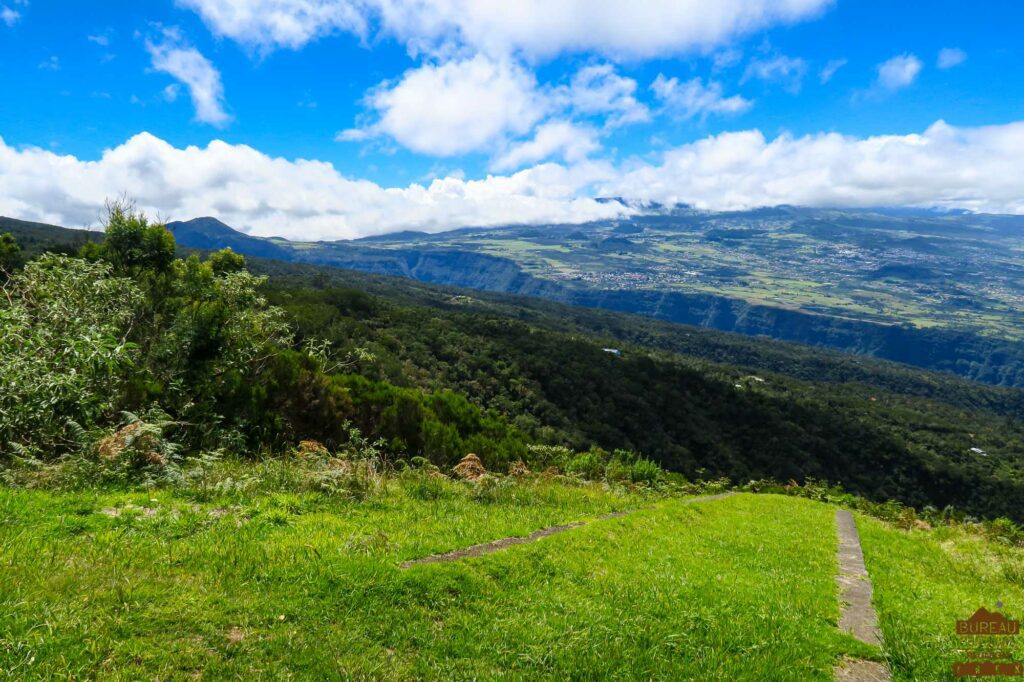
point(356, 480)
point(492, 490)
point(544, 456)
point(64, 351)
point(425, 485)
point(589, 465)
point(1004, 530)
point(138, 452)
point(645, 471)
point(617, 471)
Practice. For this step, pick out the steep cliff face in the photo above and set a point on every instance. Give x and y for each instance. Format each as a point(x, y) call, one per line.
point(994, 361)
point(454, 268)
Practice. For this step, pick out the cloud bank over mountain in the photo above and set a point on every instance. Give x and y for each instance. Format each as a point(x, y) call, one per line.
point(947, 166)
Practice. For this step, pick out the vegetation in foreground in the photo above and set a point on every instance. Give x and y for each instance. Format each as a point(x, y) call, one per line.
point(213, 580)
point(123, 585)
point(926, 580)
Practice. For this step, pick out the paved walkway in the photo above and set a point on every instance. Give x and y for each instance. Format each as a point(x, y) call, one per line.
point(494, 546)
point(858, 615)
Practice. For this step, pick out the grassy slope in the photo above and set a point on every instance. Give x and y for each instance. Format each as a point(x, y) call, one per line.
point(262, 585)
point(156, 591)
point(925, 581)
point(670, 591)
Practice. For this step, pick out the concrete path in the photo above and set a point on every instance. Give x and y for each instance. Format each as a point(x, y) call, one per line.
point(494, 546)
point(857, 613)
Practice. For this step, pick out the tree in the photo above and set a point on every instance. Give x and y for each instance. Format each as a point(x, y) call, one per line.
point(64, 353)
point(226, 261)
point(10, 256)
point(133, 245)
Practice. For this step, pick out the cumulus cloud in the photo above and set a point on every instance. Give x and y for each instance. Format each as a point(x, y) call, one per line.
point(571, 142)
point(171, 55)
point(270, 24)
point(695, 99)
point(533, 28)
point(950, 57)
point(946, 166)
point(898, 72)
point(598, 89)
point(454, 108)
point(829, 70)
point(474, 90)
point(274, 196)
point(491, 106)
point(789, 71)
point(9, 16)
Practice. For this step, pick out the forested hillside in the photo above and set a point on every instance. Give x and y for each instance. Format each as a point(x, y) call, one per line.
point(940, 291)
point(689, 414)
point(334, 355)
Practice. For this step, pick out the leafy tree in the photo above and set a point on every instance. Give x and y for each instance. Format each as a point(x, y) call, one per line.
point(133, 245)
point(226, 261)
point(10, 256)
point(64, 350)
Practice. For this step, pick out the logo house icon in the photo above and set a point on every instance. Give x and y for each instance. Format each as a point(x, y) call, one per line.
point(985, 622)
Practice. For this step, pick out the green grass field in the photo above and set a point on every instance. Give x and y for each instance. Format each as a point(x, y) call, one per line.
point(259, 585)
point(925, 581)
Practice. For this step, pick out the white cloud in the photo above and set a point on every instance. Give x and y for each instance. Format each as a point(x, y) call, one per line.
point(274, 196)
point(694, 99)
point(898, 72)
point(270, 24)
point(173, 56)
point(950, 57)
point(830, 69)
point(974, 168)
point(597, 89)
point(100, 39)
point(473, 91)
point(454, 108)
point(571, 142)
point(50, 64)
point(533, 28)
point(542, 28)
point(482, 104)
point(727, 58)
point(9, 16)
point(779, 69)
point(171, 92)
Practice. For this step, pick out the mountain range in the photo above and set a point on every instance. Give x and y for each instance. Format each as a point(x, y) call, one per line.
point(937, 290)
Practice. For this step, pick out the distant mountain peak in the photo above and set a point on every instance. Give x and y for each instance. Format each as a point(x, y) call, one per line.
point(209, 233)
point(202, 224)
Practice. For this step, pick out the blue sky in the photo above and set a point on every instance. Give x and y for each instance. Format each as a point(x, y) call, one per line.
point(436, 115)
